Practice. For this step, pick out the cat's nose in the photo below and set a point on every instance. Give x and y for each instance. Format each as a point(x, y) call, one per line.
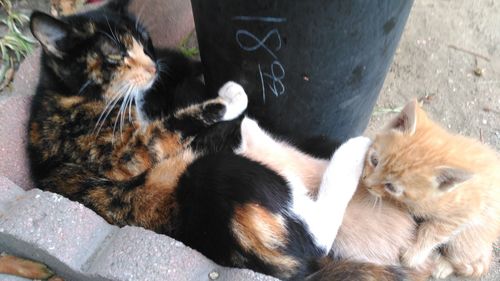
point(151, 69)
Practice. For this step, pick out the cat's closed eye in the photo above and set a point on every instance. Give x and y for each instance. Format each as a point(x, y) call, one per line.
point(373, 160)
point(114, 59)
point(390, 187)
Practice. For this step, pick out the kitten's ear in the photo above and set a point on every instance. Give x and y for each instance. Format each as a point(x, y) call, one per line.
point(448, 178)
point(406, 121)
point(50, 32)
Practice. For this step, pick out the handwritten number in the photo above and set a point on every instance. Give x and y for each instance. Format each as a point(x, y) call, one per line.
point(276, 76)
point(250, 43)
point(258, 43)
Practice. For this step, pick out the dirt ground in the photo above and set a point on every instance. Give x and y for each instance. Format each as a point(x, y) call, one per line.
point(449, 56)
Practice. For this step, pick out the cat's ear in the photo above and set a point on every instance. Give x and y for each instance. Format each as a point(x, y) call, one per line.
point(119, 6)
point(406, 121)
point(50, 32)
point(448, 178)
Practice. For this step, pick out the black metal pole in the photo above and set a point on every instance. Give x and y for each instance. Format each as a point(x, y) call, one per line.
point(310, 67)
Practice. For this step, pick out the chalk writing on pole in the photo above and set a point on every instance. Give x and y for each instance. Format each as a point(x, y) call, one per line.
point(249, 42)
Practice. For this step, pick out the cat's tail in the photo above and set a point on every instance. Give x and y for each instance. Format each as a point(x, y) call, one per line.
point(326, 269)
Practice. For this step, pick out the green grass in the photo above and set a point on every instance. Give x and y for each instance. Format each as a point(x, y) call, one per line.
point(190, 52)
point(14, 45)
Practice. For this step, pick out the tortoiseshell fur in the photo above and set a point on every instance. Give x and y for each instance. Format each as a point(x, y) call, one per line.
point(91, 153)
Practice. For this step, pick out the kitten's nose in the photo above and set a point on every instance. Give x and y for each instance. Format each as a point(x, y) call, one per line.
point(151, 69)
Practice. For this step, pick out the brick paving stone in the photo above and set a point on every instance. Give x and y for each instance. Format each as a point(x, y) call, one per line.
point(45, 226)
point(138, 254)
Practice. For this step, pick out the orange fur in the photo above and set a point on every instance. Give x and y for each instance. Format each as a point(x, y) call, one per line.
point(263, 233)
point(154, 204)
point(450, 181)
point(373, 231)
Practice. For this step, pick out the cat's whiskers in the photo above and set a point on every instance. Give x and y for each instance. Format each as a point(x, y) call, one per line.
point(84, 86)
point(129, 106)
point(380, 202)
point(120, 115)
point(377, 204)
point(162, 67)
point(109, 36)
point(374, 202)
point(108, 109)
point(139, 15)
point(127, 102)
point(111, 30)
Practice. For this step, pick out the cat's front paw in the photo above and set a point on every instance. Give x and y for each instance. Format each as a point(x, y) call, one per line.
point(234, 98)
point(352, 153)
point(346, 166)
point(473, 269)
point(414, 258)
point(442, 269)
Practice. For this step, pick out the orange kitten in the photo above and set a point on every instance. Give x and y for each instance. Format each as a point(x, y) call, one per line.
point(450, 181)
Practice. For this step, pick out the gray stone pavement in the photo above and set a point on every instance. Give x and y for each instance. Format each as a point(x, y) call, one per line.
point(79, 245)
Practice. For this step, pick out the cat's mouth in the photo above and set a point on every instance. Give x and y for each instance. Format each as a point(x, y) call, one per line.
point(144, 81)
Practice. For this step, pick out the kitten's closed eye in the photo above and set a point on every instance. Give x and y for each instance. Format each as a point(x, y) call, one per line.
point(390, 187)
point(373, 159)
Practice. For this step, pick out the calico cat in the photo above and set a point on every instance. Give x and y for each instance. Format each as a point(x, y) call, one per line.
point(450, 182)
point(131, 139)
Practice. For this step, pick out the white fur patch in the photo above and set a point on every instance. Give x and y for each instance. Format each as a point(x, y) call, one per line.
point(324, 216)
point(235, 99)
point(253, 136)
point(139, 103)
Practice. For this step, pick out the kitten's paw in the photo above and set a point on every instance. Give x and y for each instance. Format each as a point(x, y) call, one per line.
point(442, 269)
point(473, 269)
point(234, 98)
point(414, 258)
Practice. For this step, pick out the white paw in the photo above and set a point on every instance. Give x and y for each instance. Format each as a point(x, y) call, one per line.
point(345, 168)
point(442, 269)
point(235, 99)
point(351, 155)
